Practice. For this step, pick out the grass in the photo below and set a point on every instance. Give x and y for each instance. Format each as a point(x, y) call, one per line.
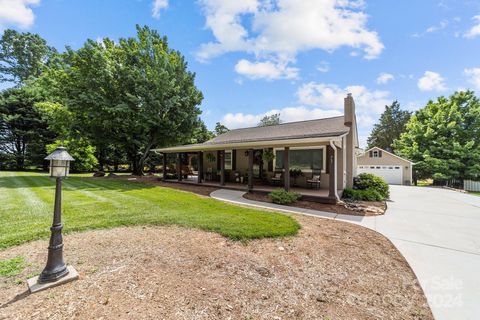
point(27, 206)
point(12, 267)
point(475, 193)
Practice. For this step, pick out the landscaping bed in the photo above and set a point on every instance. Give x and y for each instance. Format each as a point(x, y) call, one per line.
point(330, 270)
point(358, 208)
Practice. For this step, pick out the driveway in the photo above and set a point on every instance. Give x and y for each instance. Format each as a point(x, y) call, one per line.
point(438, 232)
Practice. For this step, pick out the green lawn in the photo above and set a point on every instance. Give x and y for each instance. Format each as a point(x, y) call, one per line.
point(26, 200)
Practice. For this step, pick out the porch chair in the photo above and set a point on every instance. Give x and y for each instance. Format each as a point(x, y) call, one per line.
point(277, 178)
point(314, 181)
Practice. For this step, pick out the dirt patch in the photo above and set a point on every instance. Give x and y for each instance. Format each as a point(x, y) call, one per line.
point(331, 270)
point(359, 208)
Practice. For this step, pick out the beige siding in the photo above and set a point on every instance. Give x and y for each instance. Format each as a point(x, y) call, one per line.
point(387, 160)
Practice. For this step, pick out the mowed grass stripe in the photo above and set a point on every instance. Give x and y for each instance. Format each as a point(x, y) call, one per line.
point(107, 203)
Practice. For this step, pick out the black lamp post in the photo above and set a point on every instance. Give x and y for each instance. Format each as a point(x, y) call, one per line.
point(56, 267)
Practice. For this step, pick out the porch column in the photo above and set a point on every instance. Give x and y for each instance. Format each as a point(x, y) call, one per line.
point(164, 169)
point(332, 173)
point(200, 166)
point(286, 166)
point(250, 169)
point(222, 167)
point(179, 166)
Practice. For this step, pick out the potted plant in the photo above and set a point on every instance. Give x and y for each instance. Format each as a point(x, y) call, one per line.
point(295, 173)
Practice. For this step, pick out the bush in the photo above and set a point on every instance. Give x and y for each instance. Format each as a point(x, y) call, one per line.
point(370, 181)
point(281, 196)
point(81, 151)
point(362, 195)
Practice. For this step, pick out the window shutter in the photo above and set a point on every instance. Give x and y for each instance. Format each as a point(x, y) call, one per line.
point(270, 163)
point(370, 154)
point(234, 159)
point(379, 153)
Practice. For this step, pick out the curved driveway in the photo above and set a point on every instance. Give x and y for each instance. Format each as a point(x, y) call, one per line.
point(437, 231)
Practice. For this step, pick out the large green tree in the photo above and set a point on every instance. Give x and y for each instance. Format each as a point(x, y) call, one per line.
point(23, 132)
point(443, 138)
point(220, 129)
point(22, 56)
point(135, 94)
point(391, 125)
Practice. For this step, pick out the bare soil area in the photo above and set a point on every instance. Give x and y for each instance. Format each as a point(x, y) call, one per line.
point(358, 208)
point(331, 270)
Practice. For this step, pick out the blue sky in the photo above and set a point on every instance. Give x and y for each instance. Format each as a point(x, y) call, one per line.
point(299, 58)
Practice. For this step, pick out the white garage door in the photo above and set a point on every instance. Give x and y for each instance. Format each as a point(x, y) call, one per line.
point(391, 174)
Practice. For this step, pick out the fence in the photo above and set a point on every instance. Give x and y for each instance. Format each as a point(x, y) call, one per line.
point(470, 185)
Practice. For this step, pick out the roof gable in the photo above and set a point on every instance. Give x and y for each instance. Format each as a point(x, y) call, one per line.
point(391, 154)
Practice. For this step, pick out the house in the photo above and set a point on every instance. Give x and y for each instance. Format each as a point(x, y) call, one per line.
point(392, 168)
point(323, 149)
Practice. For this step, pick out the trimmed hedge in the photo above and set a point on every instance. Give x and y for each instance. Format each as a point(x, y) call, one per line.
point(362, 195)
point(280, 196)
point(365, 181)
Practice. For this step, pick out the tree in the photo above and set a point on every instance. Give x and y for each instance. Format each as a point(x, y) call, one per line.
point(391, 125)
point(201, 133)
point(81, 150)
point(270, 120)
point(134, 94)
point(443, 138)
point(23, 132)
point(220, 129)
point(22, 56)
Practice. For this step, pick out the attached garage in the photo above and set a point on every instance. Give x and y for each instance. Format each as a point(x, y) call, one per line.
point(392, 168)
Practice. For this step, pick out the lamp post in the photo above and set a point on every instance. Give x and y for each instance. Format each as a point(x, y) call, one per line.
point(56, 271)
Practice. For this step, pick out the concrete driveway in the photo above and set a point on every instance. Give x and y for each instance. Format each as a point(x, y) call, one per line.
point(438, 232)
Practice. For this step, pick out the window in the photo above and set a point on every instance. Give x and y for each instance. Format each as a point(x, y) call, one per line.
point(375, 154)
point(228, 160)
point(304, 159)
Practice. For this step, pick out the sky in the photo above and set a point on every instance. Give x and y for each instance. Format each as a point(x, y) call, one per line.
point(298, 58)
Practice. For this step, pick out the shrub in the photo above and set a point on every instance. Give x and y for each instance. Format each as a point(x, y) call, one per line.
point(362, 195)
point(281, 196)
point(370, 181)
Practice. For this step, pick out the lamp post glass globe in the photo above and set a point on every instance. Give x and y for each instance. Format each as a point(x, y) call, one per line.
point(56, 267)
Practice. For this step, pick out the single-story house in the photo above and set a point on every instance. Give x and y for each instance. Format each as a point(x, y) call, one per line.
point(392, 168)
point(260, 159)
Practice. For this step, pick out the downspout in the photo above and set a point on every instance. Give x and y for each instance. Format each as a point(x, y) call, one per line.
point(334, 147)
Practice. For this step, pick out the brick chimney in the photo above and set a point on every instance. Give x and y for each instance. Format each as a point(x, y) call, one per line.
point(351, 139)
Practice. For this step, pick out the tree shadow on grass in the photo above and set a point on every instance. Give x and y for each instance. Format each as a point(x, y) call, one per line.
point(73, 183)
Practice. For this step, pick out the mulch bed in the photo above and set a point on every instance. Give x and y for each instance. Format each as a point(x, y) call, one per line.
point(331, 270)
point(334, 208)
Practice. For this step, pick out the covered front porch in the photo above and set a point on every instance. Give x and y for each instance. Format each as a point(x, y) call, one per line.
point(313, 170)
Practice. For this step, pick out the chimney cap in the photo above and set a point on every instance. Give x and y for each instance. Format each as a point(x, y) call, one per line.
point(349, 94)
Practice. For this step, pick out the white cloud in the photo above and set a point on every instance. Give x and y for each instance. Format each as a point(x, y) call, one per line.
point(157, 6)
point(319, 100)
point(266, 70)
point(17, 13)
point(442, 25)
point(431, 81)
point(384, 78)
point(331, 96)
point(473, 75)
point(323, 66)
point(312, 24)
point(475, 30)
point(288, 114)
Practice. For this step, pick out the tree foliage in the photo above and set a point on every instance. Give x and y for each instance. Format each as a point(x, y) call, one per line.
point(391, 125)
point(23, 132)
point(443, 138)
point(135, 94)
point(81, 150)
point(220, 129)
point(270, 120)
point(22, 56)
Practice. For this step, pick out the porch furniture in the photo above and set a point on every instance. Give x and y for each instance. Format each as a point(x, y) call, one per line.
point(237, 177)
point(276, 179)
point(209, 174)
point(314, 182)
